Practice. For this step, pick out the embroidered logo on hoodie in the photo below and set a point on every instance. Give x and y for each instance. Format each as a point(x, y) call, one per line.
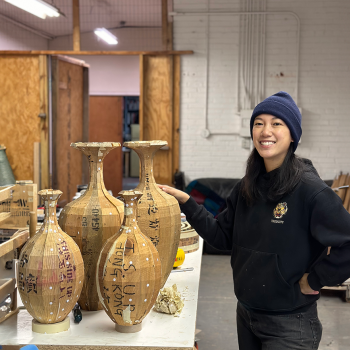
point(280, 210)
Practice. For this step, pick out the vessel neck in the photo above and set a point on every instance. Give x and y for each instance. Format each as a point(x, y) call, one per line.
point(147, 177)
point(130, 200)
point(96, 172)
point(96, 152)
point(50, 212)
point(130, 214)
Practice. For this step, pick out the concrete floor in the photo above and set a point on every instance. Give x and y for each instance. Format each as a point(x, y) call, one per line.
point(216, 318)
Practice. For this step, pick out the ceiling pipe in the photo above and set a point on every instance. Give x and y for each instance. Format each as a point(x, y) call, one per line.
point(30, 29)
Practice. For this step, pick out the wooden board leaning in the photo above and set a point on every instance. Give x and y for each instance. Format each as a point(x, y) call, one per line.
point(20, 204)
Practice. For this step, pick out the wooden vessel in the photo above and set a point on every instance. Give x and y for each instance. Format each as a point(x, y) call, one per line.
point(50, 270)
point(129, 271)
point(92, 218)
point(158, 213)
point(189, 238)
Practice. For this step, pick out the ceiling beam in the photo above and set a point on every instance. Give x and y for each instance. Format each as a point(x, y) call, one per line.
point(76, 26)
point(97, 53)
point(167, 32)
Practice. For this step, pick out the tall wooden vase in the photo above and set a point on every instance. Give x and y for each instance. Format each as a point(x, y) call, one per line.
point(129, 271)
point(159, 215)
point(50, 271)
point(92, 218)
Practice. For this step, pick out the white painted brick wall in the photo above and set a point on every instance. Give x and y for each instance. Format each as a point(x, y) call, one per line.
point(324, 82)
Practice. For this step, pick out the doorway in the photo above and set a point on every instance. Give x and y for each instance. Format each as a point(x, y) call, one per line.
point(106, 125)
point(116, 119)
point(131, 132)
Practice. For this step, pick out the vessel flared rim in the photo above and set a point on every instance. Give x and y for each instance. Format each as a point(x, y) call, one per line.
point(49, 191)
point(129, 193)
point(145, 143)
point(95, 144)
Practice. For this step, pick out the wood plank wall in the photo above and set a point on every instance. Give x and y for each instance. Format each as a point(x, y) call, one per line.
point(19, 110)
point(176, 114)
point(45, 181)
point(86, 103)
point(106, 124)
point(159, 111)
point(67, 128)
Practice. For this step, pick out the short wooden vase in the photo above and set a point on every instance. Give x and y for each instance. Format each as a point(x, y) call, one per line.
point(159, 215)
point(50, 272)
point(129, 271)
point(92, 218)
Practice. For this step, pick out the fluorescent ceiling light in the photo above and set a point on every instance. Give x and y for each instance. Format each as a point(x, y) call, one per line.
point(106, 35)
point(36, 7)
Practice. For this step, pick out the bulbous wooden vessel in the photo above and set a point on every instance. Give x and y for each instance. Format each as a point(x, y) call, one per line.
point(159, 215)
point(92, 218)
point(129, 271)
point(51, 270)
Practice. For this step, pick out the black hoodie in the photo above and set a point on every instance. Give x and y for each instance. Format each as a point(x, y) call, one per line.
point(274, 243)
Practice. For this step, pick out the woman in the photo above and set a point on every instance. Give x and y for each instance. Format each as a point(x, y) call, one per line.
point(279, 221)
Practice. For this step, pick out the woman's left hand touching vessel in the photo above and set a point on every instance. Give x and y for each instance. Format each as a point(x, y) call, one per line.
point(181, 197)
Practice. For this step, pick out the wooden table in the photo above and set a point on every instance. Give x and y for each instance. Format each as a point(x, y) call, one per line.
point(96, 330)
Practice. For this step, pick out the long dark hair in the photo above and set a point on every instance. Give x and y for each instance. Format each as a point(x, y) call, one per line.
point(282, 181)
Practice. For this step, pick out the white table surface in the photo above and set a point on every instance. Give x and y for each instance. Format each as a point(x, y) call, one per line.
point(96, 330)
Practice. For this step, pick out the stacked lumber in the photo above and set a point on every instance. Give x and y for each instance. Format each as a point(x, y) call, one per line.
point(5, 195)
point(10, 242)
point(16, 203)
point(340, 186)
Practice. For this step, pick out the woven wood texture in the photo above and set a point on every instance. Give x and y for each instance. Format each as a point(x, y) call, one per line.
point(92, 218)
point(158, 213)
point(50, 270)
point(129, 269)
point(189, 238)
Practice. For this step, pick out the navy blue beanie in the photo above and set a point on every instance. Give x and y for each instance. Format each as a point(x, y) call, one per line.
point(282, 106)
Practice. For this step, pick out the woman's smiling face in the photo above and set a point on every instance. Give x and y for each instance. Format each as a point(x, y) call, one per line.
point(271, 138)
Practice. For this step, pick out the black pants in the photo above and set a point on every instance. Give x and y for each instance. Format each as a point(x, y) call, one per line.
point(278, 332)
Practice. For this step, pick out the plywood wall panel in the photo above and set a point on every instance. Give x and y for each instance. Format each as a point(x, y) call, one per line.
point(44, 123)
point(86, 103)
point(176, 113)
point(106, 124)
point(69, 128)
point(157, 111)
point(54, 103)
point(19, 110)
